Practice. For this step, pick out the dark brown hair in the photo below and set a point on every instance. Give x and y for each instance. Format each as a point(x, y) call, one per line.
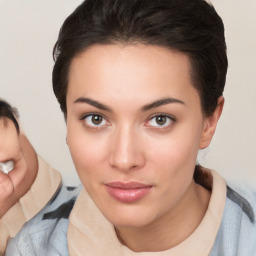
point(6, 111)
point(190, 26)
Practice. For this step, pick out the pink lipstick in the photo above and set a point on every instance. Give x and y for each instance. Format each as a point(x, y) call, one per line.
point(128, 192)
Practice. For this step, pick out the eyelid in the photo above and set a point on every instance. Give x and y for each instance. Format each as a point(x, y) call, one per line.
point(163, 114)
point(84, 116)
point(172, 119)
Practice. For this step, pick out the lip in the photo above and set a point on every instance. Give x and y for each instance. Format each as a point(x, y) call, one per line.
point(128, 192)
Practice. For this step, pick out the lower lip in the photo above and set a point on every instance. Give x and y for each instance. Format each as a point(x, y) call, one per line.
point(128, 195)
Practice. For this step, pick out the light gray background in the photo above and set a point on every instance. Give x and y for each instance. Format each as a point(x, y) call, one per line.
point(28, 30)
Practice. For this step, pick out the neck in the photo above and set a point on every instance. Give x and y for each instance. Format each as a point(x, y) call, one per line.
point(171, 229)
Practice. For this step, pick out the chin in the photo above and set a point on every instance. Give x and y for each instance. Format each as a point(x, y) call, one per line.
point(129, 216)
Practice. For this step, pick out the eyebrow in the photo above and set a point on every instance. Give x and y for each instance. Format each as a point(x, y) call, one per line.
point(147, 107)
point(161, 102)
point(93, 103)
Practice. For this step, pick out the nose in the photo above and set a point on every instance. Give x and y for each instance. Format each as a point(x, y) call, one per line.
point(126, 151)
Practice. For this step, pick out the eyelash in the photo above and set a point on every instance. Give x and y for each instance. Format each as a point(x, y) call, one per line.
point(169, 118)
point(84, 117)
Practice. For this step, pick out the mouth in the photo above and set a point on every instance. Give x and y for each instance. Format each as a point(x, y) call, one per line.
point(128, 192)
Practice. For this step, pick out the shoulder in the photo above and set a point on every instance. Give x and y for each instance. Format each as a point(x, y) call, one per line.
point(45, 234)
point(237, 232)
point(243, 198)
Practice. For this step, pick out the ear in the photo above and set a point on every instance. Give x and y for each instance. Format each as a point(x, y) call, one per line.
point(210, 124)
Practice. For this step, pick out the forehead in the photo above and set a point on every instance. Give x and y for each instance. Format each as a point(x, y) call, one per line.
point(130, 71)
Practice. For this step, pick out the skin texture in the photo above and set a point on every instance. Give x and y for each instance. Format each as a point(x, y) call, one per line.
point(17, 148)
point(128, 145)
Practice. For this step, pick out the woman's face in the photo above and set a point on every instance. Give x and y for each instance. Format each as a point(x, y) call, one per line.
point(134, 127)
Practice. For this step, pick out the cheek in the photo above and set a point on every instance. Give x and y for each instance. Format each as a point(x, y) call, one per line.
point(87, 152)
point(175, 150)
point(174, 156)
point(173, 162)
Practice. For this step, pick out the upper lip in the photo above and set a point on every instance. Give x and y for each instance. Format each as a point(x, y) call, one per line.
point(127, 185)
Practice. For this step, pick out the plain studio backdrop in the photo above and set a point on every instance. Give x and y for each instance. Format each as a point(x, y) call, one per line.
point(28, 31)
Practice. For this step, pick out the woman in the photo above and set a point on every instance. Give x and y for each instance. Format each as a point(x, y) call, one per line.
point(140, 86)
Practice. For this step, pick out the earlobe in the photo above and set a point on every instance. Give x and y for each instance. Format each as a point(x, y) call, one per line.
point(210, 124)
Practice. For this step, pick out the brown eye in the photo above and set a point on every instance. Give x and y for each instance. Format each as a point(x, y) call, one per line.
point(96, 119)
point(161, 120)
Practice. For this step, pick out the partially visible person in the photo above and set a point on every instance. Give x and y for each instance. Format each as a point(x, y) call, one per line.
point(25, 190)
point(14, 146)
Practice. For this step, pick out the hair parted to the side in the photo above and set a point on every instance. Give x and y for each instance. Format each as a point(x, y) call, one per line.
point(190, 26)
